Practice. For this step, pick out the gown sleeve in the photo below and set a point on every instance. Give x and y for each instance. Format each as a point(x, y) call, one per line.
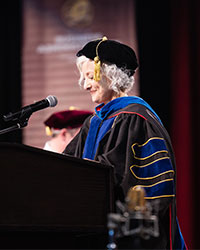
point(139, 153)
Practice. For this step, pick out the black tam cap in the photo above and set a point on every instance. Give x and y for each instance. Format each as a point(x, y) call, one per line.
point(110, 51)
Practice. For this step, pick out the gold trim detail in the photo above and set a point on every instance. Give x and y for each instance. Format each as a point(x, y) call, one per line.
point(143, 166)
point(154, 183)
point(161, 196)
point(150, 178)
point(155, 197)
point(114, 121)
point(154, 138)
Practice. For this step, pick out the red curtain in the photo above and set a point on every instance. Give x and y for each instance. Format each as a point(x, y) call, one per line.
point(185, 62)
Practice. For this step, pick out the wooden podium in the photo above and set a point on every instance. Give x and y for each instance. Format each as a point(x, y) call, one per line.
point(50, 200)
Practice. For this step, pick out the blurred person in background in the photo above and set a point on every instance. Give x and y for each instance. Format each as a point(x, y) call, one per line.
point(62, 126)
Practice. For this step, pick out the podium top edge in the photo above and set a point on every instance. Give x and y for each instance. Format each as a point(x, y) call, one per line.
point(24, 147)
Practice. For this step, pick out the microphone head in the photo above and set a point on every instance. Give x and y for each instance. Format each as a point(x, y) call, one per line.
point(52, 100)
point(136, 199)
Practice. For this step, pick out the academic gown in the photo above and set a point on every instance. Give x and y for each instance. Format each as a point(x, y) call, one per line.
point(128, 135)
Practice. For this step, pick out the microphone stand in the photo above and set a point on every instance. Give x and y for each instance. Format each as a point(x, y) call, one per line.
point(6, 130)
point(21, 122)
point(134, 222)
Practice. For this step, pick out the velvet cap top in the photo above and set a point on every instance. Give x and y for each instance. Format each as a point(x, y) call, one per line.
point(111, 52)
point(67, 119)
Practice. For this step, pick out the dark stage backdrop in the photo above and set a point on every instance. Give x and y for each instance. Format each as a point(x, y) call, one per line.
point(185, 109)
point(169, 51)
point(10, 64)
point(169, 54)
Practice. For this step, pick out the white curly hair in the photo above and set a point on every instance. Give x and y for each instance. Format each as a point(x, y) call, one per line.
point(119, 78)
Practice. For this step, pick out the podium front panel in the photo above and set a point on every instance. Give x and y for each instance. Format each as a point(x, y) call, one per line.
point(45, 191)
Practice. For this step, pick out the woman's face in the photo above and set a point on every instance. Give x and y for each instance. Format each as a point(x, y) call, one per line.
point(99, 91)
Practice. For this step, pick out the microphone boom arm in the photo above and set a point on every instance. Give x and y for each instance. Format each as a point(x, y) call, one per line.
point(21, 122)
point(21, 117)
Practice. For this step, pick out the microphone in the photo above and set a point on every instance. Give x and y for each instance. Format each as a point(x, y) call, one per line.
point(50, 101)
point(136, 199)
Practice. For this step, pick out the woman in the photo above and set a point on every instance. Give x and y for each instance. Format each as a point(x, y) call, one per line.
point(126, 133)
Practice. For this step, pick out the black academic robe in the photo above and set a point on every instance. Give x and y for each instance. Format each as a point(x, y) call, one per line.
point(139, 149)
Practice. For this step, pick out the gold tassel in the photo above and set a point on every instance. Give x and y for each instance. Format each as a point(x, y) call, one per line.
point(97, 62)
point(72, 108)
point(97, 67)
point(48, 131)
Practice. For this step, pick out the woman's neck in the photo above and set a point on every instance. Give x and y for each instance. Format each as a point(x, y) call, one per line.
point(120, 94)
